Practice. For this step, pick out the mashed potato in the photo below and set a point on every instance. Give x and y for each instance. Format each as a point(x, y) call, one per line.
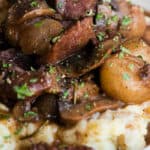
point(123, 129)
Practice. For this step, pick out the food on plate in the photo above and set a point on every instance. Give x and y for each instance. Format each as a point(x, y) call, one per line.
point(74, 75)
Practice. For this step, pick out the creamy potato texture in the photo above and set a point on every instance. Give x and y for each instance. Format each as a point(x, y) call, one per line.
point(123, 128)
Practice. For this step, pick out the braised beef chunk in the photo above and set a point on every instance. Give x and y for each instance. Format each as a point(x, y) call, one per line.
point(70, 42)
point(75, 9)
point(59, 147)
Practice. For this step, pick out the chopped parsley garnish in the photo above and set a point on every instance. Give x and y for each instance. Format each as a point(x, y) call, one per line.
point(22, 91)
point(121, 55)
point(4, 116)
point(6, 65)
point(38, 24)
point(30, 114)
point(126, 21)
point(86, 95)
point(131, 66)
point(65, 94)
point(18, 131)
point(59, 5)
point(34, 4)
point(88, 107)
point(99, 16)
point(106, 55)
point(101, 36)
point(82, 84)
point(52, 69)
point(33, 80)
point(7, 137)
point(125, 50)
point(115, 18)
point(126, 76)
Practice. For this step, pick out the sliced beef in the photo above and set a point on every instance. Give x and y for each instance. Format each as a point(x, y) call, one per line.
point(21, 83)
point(75, 9)
point(13, 56)
point(87, 59)
point(71, 41)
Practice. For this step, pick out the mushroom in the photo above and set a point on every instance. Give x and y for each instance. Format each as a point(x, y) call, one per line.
point(30, 26)
point(71, 114)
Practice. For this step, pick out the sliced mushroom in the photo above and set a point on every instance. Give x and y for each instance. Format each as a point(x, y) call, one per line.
point(30, 27)
point(73, 113)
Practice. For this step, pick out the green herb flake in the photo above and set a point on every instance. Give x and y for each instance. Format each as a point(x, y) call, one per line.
point(18, 131)
point(131, 67)
point(30, 114)
point(22, 91)
point(101, 36)
point(6, 65)
point(38, 24)
point(115, 18)
point(125, 50)
point(86, 95)
point(65, 94)
point(34, 4)
point(88, 107)
point(126, 76)
point(82, 84)
point(106, 55)
point(126, 21)
point(7, 137)
point(121, 55)
point(4, 116)
point(59, 5)
point(33, 80)
point(99, 16)
point(52, 69)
